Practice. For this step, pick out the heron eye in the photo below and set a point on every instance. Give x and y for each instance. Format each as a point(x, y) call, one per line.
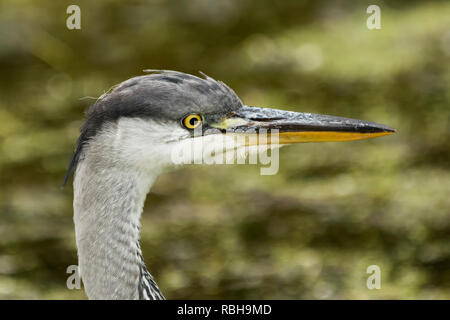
point(192, 121)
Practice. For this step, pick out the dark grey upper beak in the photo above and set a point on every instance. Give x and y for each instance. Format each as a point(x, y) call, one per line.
point(288, 121)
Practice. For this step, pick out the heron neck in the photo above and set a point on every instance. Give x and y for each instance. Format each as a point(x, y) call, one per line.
point(108, 203)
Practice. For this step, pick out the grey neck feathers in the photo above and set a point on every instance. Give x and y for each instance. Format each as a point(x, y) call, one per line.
point(108, 202)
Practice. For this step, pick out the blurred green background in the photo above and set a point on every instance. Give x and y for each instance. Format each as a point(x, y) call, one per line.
point(308, 232)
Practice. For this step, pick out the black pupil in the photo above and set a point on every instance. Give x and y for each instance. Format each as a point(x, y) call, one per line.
point(193, 121)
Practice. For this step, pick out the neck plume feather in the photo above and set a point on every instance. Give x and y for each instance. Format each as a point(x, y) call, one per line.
point(108, 202)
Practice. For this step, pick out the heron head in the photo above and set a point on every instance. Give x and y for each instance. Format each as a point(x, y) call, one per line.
point(146, 121)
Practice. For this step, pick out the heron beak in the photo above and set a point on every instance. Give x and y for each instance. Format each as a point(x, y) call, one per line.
point(297, 127)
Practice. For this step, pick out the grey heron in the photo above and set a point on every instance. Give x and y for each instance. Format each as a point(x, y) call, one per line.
point(126, 141)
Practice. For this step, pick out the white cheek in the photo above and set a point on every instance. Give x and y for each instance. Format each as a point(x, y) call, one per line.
point(147, 144)
point(216, 149)
point(202, 150)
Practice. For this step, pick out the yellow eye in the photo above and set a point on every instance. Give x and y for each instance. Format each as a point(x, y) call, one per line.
point(192, 121)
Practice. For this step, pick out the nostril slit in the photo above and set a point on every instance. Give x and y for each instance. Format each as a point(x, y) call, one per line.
point(265, 119)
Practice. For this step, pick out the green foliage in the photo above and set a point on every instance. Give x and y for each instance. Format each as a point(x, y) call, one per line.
point(308, 232)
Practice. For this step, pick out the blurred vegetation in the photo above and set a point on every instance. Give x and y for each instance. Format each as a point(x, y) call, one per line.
point(308, 232)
